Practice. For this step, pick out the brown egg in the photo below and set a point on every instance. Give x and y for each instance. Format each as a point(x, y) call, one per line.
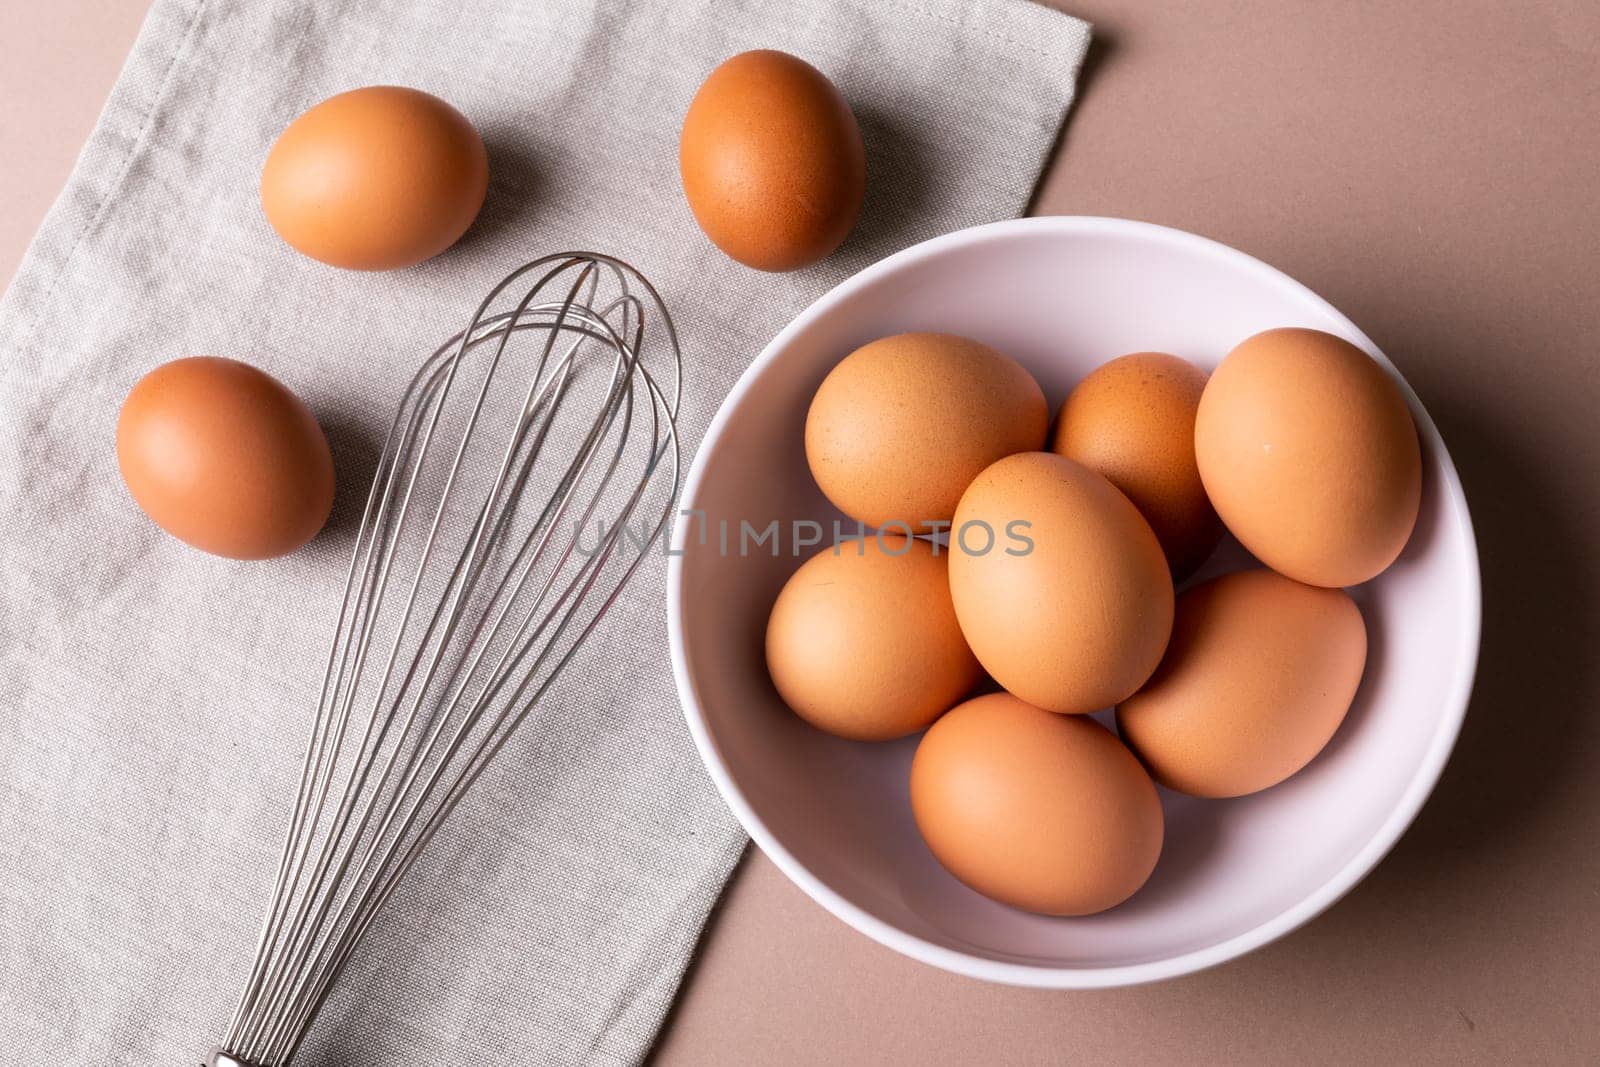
point(898, 430)
point(1309, 454)
point(1040, 811)
point(772, 162)
point(1059, 583)
point(1259, 674)
point(1132, 420)
point(223, 456)
point(375, 179)
point(863, 641)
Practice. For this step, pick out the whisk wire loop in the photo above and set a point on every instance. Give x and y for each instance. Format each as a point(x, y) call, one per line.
point(417, 701)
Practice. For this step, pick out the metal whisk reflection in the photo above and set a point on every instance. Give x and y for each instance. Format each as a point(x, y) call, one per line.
point(531, 465)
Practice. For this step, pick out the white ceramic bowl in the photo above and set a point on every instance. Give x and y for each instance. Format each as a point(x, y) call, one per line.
point(1061, 295)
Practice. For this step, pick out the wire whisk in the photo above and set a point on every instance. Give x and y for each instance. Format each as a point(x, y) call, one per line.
point(532, 464)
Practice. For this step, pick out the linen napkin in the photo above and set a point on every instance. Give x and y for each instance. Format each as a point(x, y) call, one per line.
point(154, 701)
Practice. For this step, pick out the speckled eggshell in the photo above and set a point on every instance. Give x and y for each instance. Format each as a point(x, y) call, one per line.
point(223, 456)
point(863, 641)
point(1078, 621)
point(772, 161)
point(1259, 674)
point(1308, 452)
point(1050, 813)
point(901, 426)
point(375, 179)
point(1132, 420)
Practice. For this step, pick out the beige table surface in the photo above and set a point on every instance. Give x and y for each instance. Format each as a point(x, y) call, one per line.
point(1433, 169)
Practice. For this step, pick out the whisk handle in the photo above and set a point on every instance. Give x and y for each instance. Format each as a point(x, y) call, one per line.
point(220, 1058)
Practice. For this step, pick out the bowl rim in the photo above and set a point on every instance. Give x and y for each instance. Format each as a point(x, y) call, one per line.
point(1417, 790)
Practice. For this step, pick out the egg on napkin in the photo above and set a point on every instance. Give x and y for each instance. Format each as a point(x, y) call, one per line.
point(375, 179)
point(223, 456)
point(772, 161)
